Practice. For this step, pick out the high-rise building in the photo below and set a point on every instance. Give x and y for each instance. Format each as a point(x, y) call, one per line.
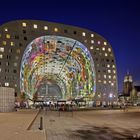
point(70, 61)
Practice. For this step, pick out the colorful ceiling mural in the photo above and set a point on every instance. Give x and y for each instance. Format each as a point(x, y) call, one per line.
point(63, 60)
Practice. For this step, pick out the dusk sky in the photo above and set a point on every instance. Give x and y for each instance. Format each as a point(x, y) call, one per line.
point(116, 20)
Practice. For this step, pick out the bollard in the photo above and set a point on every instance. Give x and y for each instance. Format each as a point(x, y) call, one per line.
point(41, 123)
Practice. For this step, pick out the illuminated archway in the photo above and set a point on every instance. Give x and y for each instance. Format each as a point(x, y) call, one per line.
point(63, 60)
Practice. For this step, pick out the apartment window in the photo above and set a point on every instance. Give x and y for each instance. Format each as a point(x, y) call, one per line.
point(114, 77)
point(104, 82)
point(56, 29)
point(109, 76)
point(105, 76)
point(8, 36)
point(103, 65)
point(16, 57)
point(7, 84)
point(91, 47)
point(12, 43)
point(16, 37)
point(20, 44)
point(1, 56)
point(114, 71)
point(113, 66)
point(92, 41)
point(108, 65)
point(107, 60)
point(109, 49)
point(15, 71)
point(99, 42)
point(103, 48)
point(106, 54)
point(35, 26)
point(99, 81)
point(98, 65)
point(109, 71)
point(85, 41)
point(25, 38)
point(6, 29)
point(7, 63)
point(112, 84)
point(45, 27)
point(18, 51)
point(105, 43)
point(100, 53)
point(83, 34)
point(24, 31)
point(4, 43)
point(92, 35)
point(24, 24)
point(15, 64)
point(1, 49)
point(97, 49)
point(10, 50)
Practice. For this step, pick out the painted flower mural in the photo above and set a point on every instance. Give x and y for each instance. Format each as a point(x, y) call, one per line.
point(63, 60)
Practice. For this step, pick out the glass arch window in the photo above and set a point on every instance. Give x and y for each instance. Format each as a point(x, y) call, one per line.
point(60, 60)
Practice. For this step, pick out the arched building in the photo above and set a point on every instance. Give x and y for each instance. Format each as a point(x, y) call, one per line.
point(40, 57)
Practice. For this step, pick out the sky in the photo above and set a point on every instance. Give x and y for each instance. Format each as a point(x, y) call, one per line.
point(116, 20)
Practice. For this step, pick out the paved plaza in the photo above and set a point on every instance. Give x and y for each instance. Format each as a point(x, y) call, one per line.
point(80, 125)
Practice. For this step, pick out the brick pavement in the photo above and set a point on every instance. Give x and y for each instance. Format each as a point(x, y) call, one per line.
point(13, 126)
point(89, 125)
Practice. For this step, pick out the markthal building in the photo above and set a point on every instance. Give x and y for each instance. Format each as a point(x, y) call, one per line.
point(56, 61)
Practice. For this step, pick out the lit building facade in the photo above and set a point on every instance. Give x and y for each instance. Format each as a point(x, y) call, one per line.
point(36, 54)
point(127, 85)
